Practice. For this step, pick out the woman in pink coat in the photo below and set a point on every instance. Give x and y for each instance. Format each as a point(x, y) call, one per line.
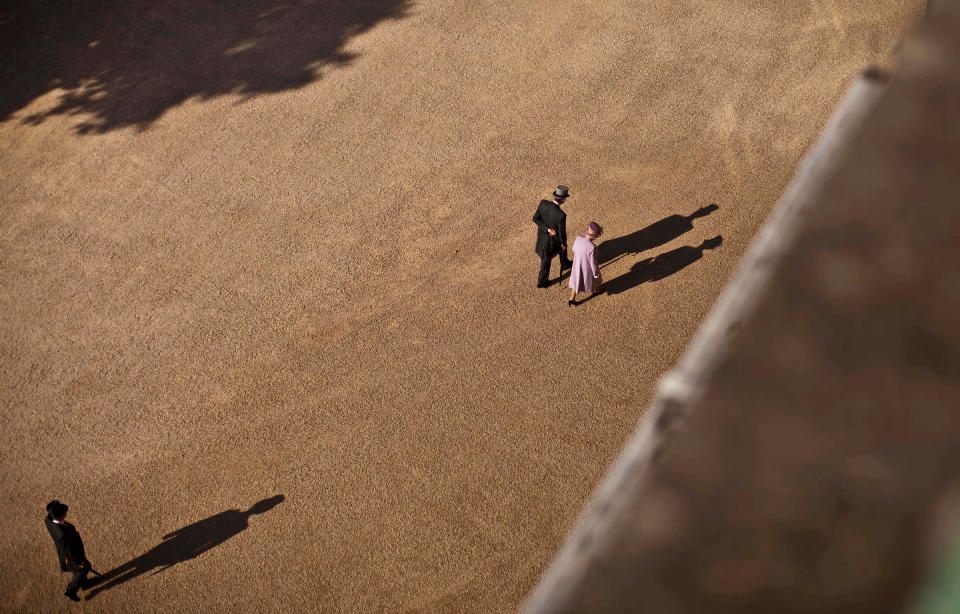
point(585, 275)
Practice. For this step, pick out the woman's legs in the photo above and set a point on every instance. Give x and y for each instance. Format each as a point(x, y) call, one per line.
point(573, 296)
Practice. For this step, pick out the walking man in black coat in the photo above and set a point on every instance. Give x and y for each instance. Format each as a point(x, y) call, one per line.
point(551, 224)
point(69, 548)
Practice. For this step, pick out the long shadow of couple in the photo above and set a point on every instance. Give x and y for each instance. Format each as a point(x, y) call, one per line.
point(184, 544)
point(654, 235)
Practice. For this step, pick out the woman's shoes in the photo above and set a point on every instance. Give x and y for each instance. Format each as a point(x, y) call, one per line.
point(571, 303)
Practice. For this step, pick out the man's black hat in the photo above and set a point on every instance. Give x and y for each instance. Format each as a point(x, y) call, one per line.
point(562, 191)
point(56, 509)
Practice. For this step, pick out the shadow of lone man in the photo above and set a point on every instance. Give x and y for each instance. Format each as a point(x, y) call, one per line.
point(184, 544)
point(654, 235)
point(659, 267)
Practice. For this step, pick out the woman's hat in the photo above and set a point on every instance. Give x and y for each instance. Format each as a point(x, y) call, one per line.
point(561, 191)
point(594, 230)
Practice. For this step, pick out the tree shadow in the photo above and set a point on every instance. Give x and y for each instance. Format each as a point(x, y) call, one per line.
point(183, 545)
point(654, 235)
point(659, 267)
point(126, 62)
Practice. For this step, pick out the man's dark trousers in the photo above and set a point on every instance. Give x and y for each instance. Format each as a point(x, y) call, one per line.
point(545, 261)
point(79, 579)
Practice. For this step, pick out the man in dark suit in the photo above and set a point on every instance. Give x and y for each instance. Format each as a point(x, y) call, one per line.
point(69, 548)
point(551, 224)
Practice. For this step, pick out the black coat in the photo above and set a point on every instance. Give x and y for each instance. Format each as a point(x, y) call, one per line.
point(550, 215)
point(69, 545)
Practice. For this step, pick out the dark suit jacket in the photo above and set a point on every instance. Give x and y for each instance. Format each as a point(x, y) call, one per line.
point(69, 545)
point(550, 215)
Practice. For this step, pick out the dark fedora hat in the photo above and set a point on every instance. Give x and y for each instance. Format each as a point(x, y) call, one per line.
point(56, 508)
point(562, 191)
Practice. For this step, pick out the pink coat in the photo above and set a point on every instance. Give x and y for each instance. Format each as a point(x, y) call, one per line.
point(585, 275)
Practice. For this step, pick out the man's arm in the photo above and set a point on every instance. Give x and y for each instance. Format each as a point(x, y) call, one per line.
point(538, 220)
point(563, 232)
point(73, 549)
point(542, 224)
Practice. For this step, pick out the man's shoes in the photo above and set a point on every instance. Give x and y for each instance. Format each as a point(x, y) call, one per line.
point(543, 285)
point(72, 594)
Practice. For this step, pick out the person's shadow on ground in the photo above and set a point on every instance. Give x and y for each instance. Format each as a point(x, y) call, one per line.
point(659, 267)
point(654, 235)
point(184, 544)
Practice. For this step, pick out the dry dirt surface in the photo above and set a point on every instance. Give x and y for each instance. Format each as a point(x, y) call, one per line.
point(269, 323)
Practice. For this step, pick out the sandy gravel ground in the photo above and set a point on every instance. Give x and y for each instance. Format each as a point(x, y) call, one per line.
point(287, 250)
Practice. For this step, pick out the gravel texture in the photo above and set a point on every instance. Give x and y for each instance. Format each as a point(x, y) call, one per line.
point(287, 250)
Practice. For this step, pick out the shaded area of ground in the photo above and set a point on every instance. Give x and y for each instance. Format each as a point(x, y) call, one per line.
point(661, 266)
point(125, 63)
point(183, 544)
point(649, 237)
